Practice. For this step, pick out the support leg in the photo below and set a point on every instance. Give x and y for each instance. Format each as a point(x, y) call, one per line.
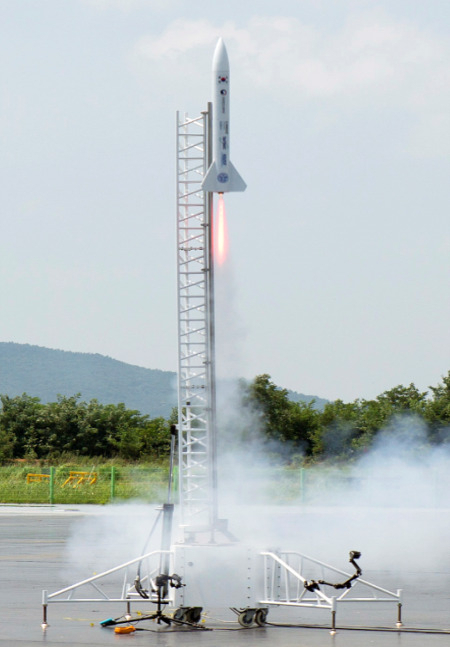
point(333, 616)
point(399, 608)
point(44, 610)
point(44, 617)
point(333, 623)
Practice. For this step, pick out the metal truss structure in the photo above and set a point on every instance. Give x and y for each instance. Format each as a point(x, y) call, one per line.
point(114, 585)
point(285, 576)
point(196, 355)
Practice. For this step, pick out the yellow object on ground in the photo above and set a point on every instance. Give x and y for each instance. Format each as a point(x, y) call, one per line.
point(124, 630)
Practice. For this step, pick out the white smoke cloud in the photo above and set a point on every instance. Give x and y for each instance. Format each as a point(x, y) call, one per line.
point(392, 506)
point(391, 503)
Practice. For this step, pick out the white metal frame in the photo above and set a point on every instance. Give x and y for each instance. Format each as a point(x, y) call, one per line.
point(196, 370)
point(284, 585)
point(108, 589)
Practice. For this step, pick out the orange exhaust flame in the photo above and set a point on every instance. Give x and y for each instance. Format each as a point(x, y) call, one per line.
point(221, 233)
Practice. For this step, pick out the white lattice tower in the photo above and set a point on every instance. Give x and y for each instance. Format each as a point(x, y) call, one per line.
point(196, 382)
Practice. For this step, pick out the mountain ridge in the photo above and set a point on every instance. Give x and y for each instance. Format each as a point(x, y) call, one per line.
point(46, 373)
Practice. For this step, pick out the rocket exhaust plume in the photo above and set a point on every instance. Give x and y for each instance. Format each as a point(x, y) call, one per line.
point(221, 233)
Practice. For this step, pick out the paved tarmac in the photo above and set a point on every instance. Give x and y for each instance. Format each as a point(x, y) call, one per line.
point(37, 551)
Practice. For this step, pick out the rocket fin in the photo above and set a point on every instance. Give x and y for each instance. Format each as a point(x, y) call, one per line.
point(224, 181)
point(236, 182)
point(209, 181)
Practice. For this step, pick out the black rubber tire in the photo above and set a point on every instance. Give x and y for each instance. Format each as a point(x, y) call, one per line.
point(246, 618)
point(193, 615)
point(179, 614)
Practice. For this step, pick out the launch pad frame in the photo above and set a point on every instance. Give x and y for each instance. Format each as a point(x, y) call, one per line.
point(283, 575)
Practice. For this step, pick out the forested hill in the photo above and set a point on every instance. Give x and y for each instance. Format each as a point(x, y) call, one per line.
point(45, 373)
point(319, 403)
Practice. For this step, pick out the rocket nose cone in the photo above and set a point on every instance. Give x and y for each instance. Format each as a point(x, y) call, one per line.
point(220, 59)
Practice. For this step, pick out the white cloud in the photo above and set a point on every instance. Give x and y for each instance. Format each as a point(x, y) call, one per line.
point(371, 60)
point(179, 38)
point(128, 6)
point(273, 52)
point(369, 52)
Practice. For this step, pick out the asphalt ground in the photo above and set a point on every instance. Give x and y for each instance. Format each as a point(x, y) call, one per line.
point(37, 552)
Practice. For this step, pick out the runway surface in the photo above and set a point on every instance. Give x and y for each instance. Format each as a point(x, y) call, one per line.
point(43, 547)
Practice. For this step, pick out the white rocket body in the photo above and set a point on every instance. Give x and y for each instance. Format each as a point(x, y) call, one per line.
point(221, 175)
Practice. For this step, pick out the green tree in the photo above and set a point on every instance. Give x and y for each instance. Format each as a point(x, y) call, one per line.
point(7, 442)
point(337, 427)
point(20, 421)
point(437, 412)
point(404, 398)
point(31, 429)
point(375, 415)
point(288, 426)
point(155, 438)
point(65, 425)
point(113, 430)
point(346, 428)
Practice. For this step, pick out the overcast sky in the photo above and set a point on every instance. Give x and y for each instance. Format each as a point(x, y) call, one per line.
point(337, 283)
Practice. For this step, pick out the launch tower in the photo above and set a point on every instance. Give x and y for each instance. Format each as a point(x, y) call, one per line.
point(197, 434)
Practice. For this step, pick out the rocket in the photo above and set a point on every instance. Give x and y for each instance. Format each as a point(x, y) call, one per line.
point(221, 175)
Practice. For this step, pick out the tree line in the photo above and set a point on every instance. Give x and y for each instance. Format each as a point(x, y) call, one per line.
point(31, 429)
point(341, 429)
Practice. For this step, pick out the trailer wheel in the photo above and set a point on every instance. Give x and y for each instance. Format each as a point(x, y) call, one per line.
point(193, 615)
point(260, 617)
point(246, 618)
point(179, 614)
